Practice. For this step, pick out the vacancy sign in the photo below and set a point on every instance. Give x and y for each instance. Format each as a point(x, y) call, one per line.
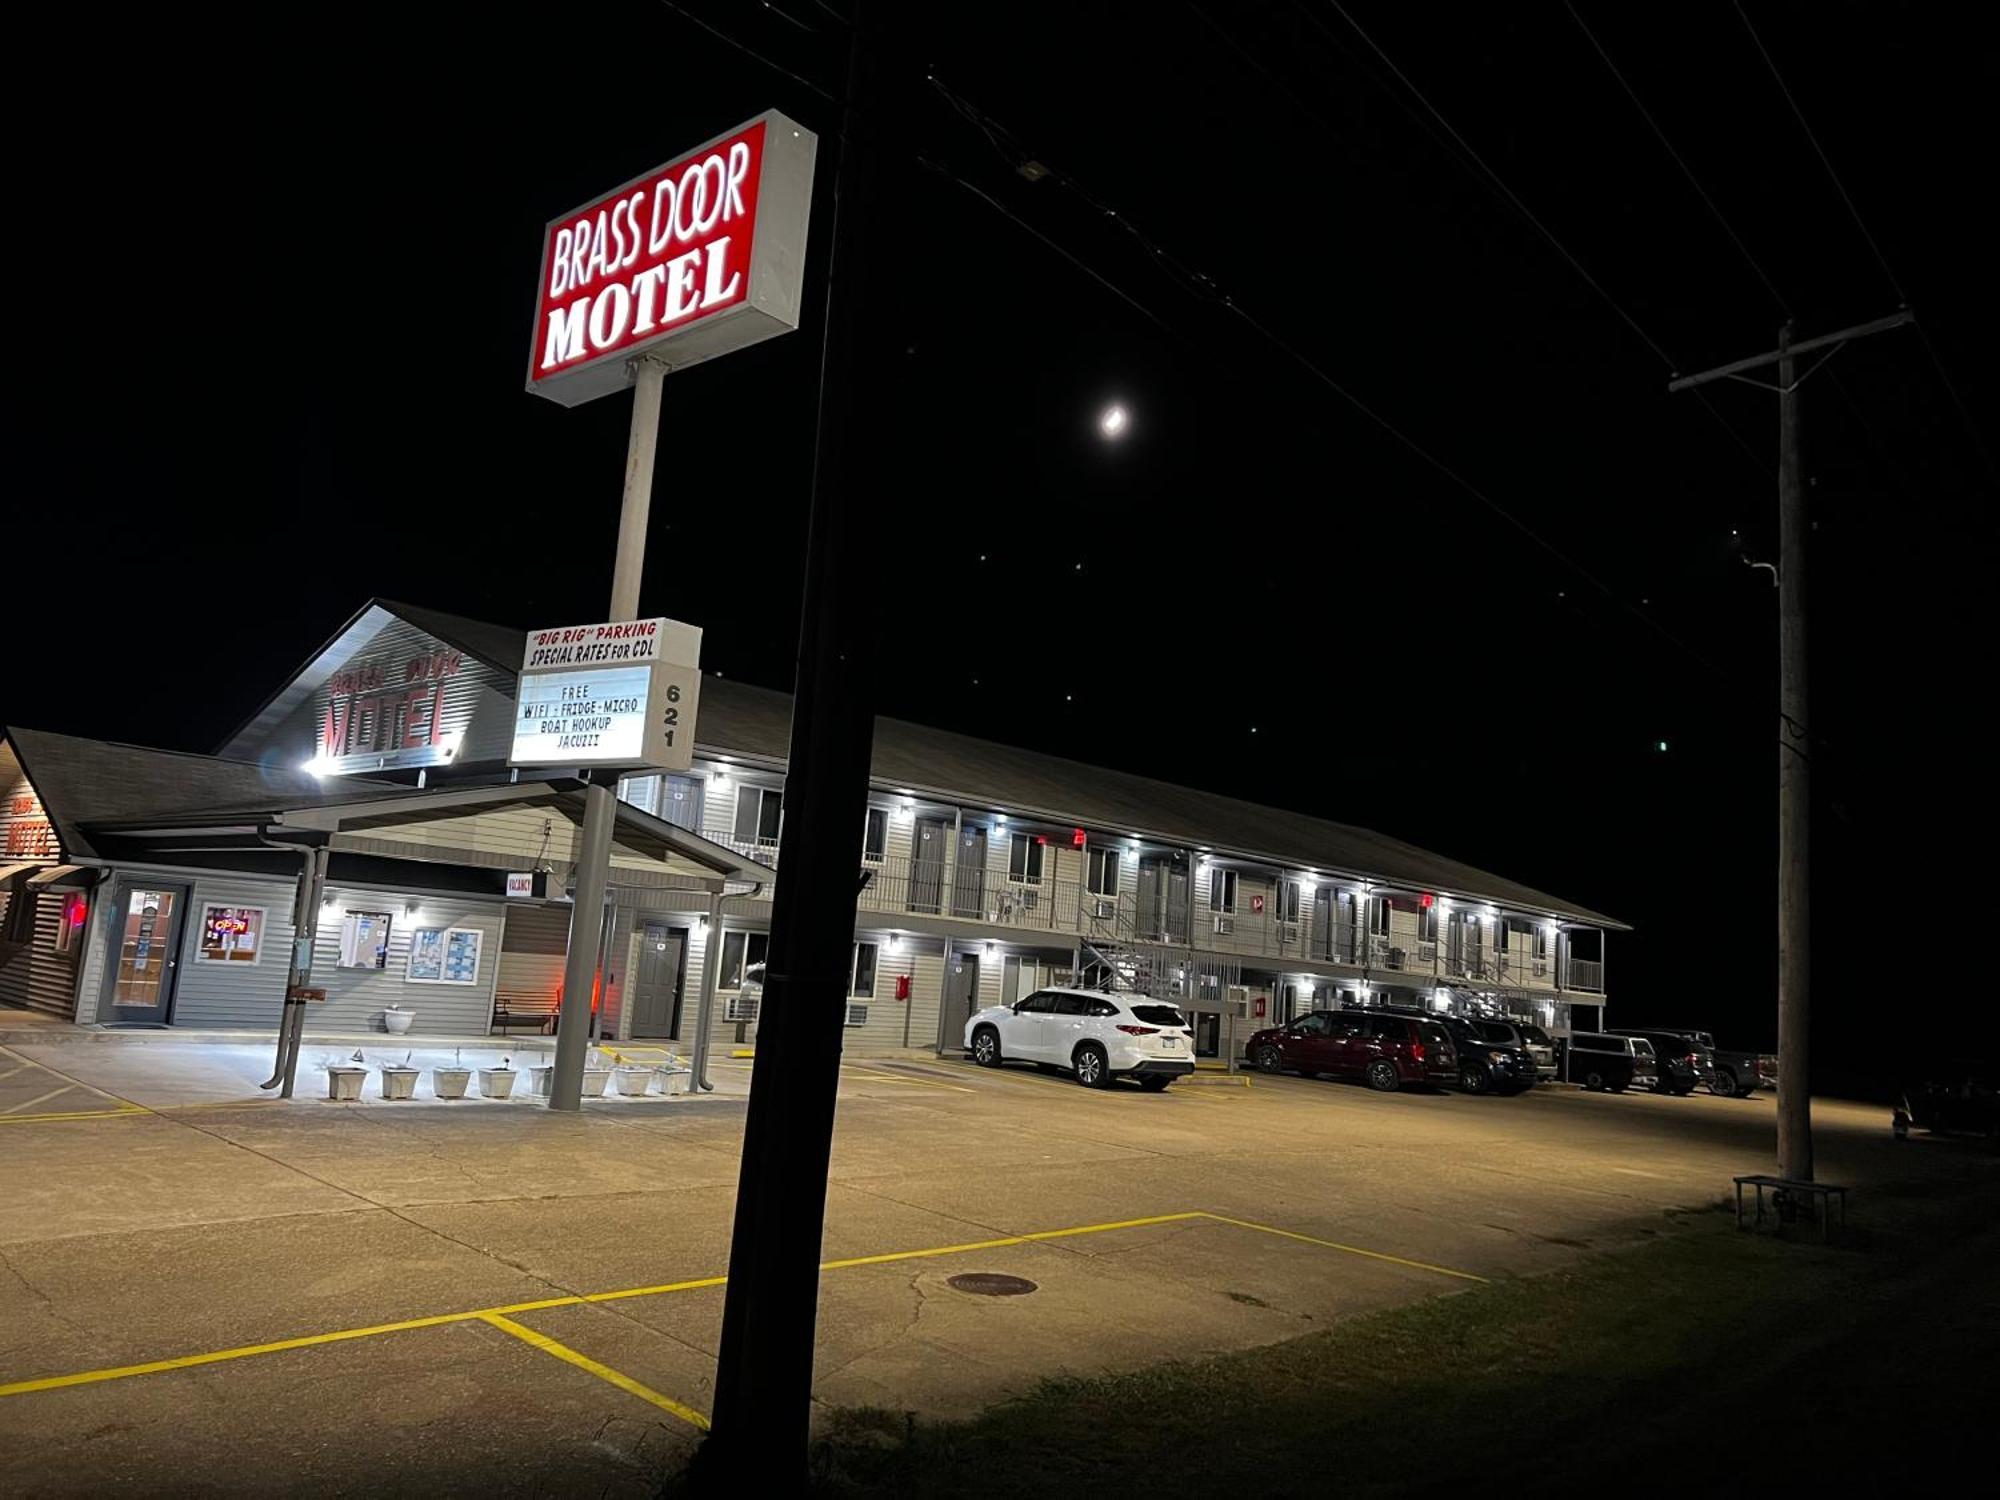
point(691, 260)
point(621, 694)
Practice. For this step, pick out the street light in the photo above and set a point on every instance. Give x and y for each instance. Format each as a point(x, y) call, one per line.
point(1113, 421)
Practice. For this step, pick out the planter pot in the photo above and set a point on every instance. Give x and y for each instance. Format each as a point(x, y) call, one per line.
point(496, 1083)
point(449, 1083)
point(399, 1083)
point(344, 1083)
point(594, 1080)
point(674, 1080)
point(396, 1020)
point(632, 1081)
point(541, 1078)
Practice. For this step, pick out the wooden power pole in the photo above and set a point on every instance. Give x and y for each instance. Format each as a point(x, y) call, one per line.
point(1795, 1153)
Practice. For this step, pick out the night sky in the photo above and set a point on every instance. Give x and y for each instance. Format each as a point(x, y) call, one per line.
point(272, 293)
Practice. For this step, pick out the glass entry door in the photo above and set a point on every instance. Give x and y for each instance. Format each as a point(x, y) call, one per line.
point(145, 951)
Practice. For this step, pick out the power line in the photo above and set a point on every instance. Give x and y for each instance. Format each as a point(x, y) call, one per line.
point(1673, 366)
point(1937, 362)
point(1003, 143)
point(1006, 144)
point(729, 41)
point(1686, 171)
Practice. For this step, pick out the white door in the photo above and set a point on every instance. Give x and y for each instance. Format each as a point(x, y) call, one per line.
point(1025, 1033)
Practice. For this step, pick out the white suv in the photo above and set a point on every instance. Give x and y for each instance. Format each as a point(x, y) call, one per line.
point(1095, 1035)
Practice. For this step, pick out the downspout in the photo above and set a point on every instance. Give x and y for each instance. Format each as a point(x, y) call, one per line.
point(711, 959)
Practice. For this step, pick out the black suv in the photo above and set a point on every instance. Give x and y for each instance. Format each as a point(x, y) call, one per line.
point(1603, 1060)
point(1486, 1064)
point(1682, 1063)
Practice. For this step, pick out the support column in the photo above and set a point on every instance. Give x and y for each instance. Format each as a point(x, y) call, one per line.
point(593, 861)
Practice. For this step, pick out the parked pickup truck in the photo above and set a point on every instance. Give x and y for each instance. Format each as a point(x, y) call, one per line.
point(1732, 1075)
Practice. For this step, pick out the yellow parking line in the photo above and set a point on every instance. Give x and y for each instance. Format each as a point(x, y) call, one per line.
point(490, 1314)
point(624, 1382)
point(38, 1099)
point(1293, 1234)
point(73, 1114)
point(68, 1078)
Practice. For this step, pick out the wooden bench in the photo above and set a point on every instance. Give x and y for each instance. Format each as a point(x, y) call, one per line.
point(505, 1020)
point(1824, 1195)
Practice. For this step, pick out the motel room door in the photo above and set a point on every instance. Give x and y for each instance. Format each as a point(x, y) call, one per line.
point(656, 991)
point(968, 880)
point(927, 850)
point(961, 999)
point(144, 962)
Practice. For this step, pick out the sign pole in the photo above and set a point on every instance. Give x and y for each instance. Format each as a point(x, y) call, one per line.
point(593, 862)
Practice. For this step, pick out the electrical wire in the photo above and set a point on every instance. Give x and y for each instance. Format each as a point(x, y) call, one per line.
point(1005, 145)
point(1679, 161)
point(1011, 151)
point(1895, 284)
point(729, 41)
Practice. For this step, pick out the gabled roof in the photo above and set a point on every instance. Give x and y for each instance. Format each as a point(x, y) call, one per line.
point(87, 782)
point(736, 719)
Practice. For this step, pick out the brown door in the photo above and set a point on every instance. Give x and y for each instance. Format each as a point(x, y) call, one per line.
point(145, 952)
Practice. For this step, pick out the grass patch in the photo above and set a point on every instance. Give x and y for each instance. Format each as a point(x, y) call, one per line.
point(1667, 1352)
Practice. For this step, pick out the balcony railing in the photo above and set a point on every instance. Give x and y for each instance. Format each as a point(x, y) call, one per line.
point(901, 885)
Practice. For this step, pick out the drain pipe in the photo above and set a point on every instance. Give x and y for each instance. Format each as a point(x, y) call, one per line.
point(305, 925)
point(711, 959)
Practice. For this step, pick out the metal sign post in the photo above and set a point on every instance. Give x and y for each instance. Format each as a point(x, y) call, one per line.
point(593, 863)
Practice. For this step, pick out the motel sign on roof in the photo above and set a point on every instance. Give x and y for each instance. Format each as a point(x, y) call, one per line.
point(691, 260)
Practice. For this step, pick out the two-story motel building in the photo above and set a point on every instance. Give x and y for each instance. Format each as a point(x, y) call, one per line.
point(153, 888)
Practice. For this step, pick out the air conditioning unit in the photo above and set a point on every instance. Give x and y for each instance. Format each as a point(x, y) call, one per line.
point(740, 1007)
point(1427, 952)
point(1027, 898)
point(1103, 908)
point(857, 1015)
point(1541, 968)
point(1288, 932)
point(1225, 924)
point(1396, 957)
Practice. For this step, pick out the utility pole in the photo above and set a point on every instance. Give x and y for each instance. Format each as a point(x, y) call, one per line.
point(763, 1387)
point(600, 802)
point(1795, 1152)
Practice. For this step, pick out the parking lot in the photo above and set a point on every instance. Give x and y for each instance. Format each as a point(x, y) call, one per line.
point(252, 1295)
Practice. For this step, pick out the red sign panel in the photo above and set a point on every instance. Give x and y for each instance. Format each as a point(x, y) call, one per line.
point(684, 246)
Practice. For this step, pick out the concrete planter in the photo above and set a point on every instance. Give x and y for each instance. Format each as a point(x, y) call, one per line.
point(594, 1080)
point(632, 1082)
point(674, 1080)
point(541, 1079)
point(396, 1020)
point(344, 1083)
point(496, 1083)
point(399, 1083)
point(449, 1083)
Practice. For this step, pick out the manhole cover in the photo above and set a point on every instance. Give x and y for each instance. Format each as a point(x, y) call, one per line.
point(991, 1284)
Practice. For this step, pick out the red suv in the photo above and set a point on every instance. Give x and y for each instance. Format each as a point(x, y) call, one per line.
point(1384, 1050)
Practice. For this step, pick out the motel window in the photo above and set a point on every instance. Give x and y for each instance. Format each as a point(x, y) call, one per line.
point(862, 986)
point(1024, 858)
point(759, 810)
point(741, 952)
point(1222, 891)
point(1427, 923)
point(875, 835)
point(1378, 915)
point(1104, 872)
point(231, 935)
point(1541, 942)
point(1288, 901)
point(1500, 933)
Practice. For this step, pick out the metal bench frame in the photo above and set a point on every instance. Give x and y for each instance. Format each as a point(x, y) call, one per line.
point(1824, 1194)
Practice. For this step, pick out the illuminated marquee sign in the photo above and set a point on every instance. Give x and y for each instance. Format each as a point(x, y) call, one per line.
point(690, 260)
point(619, 694)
